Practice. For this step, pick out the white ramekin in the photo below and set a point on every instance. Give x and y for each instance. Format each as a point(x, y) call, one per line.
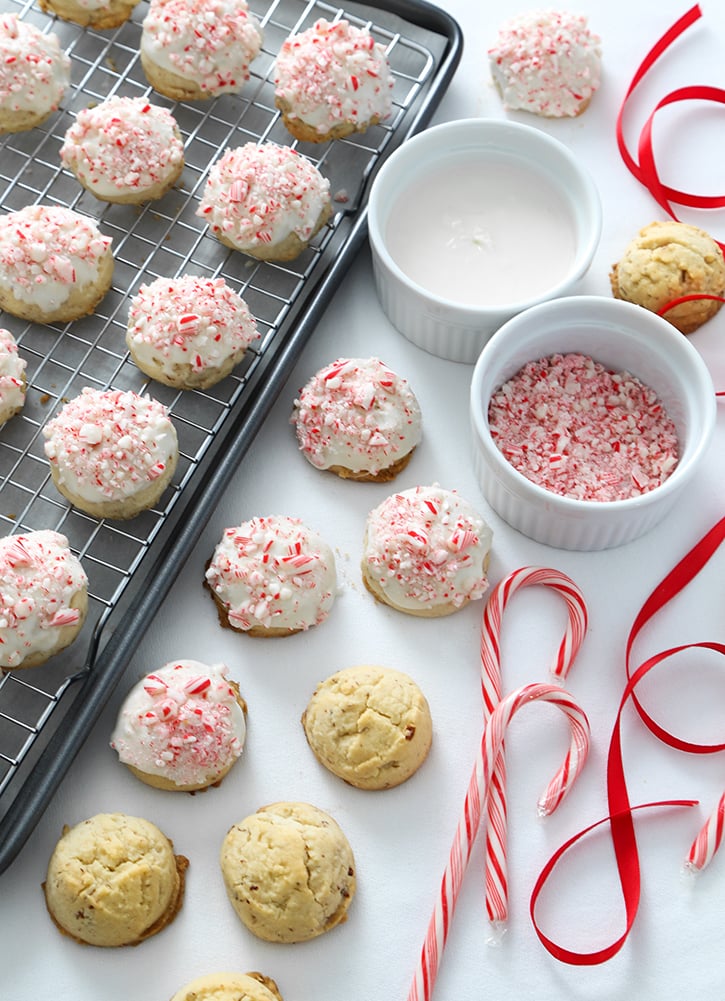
point(623, 337)
point(441, 326)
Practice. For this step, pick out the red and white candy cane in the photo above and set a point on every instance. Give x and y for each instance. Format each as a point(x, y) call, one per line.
point(492, 685)
point(709, 839)
point(421, 988)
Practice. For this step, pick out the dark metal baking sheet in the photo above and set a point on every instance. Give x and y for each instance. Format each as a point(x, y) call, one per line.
point(46, 713)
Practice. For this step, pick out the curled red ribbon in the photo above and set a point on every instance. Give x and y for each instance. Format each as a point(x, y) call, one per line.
point(621, 812)
point(646, 169)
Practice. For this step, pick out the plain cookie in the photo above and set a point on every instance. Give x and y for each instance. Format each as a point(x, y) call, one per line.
point(289, 872)
point(229, 987)
point(667, 260)
point(369, 725)
point(114, 880)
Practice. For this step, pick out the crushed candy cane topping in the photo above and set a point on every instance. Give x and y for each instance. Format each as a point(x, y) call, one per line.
point(210, 42)
point(46, 251)
point(12, 376)
point(34, 70)
point(40, 577)
point(547, 62)
point(273, 572)
point(427, 546)
point(333, 73)
point(107, 445)
point(260, 194)
point(124, 144)
point(358, 414)
point(189, 320)
point(184, 722)
point(579, 430)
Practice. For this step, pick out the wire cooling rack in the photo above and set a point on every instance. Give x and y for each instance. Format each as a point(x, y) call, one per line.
point(45, 713)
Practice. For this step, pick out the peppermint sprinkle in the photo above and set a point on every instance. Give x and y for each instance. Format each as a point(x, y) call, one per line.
point(577, 429)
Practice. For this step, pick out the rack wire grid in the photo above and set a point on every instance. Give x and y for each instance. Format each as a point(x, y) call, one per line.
point(41, 725)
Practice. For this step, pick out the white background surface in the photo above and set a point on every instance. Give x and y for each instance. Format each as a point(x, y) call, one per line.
point(401, 837)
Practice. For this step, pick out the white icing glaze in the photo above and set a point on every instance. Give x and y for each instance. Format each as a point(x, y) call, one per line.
point(333, 73)
point(260, 194)
point(183, 723)
point(107, 445)
point(427, 547)
point(40, 576)
point(34, 70)
point(125, 145)
point(12, 376)
point(189, 321)
point(547, 62)
point(358, 414)
point(48, 250)
point(210, 42)
point(273, 572)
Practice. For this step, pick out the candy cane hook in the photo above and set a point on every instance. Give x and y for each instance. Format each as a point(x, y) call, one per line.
point(492, 685)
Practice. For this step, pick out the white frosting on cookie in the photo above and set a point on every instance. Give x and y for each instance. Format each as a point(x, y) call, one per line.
point(12, 376)
point(210, 42)
point(34, 70)
point(123, 146)
point(358, 414)
point(108, 445)
point(183, 722)
point(40, 577)
point(47, 251)
point(333, 73)
point(273, 572)
point(427, 547)
point(258, 195)
point(547, 62)
point(195, 321)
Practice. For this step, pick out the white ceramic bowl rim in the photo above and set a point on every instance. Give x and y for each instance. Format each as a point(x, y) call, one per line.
point(679, 348)
point(500, 136)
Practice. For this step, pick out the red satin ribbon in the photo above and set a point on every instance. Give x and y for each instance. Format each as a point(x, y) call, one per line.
point(646, 169)
point(621, 812)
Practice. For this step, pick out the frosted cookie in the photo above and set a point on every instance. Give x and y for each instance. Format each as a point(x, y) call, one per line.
point(369, 725)
point(34, 74)
point(124, 150)
point(195, 49)
point(358, 419)
point(331, 80)
point(12, 377)
point(182, 727)
point(111, 453)
point(289, 872)
point(114, 880)
point(547, 62)
point(667, 260)
point(266, 200)
point(55, 264)
point(426, 551)
point(189, 332)
point(101, 14)
point(229, 986)
point(43, 600)
point(272, 576)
